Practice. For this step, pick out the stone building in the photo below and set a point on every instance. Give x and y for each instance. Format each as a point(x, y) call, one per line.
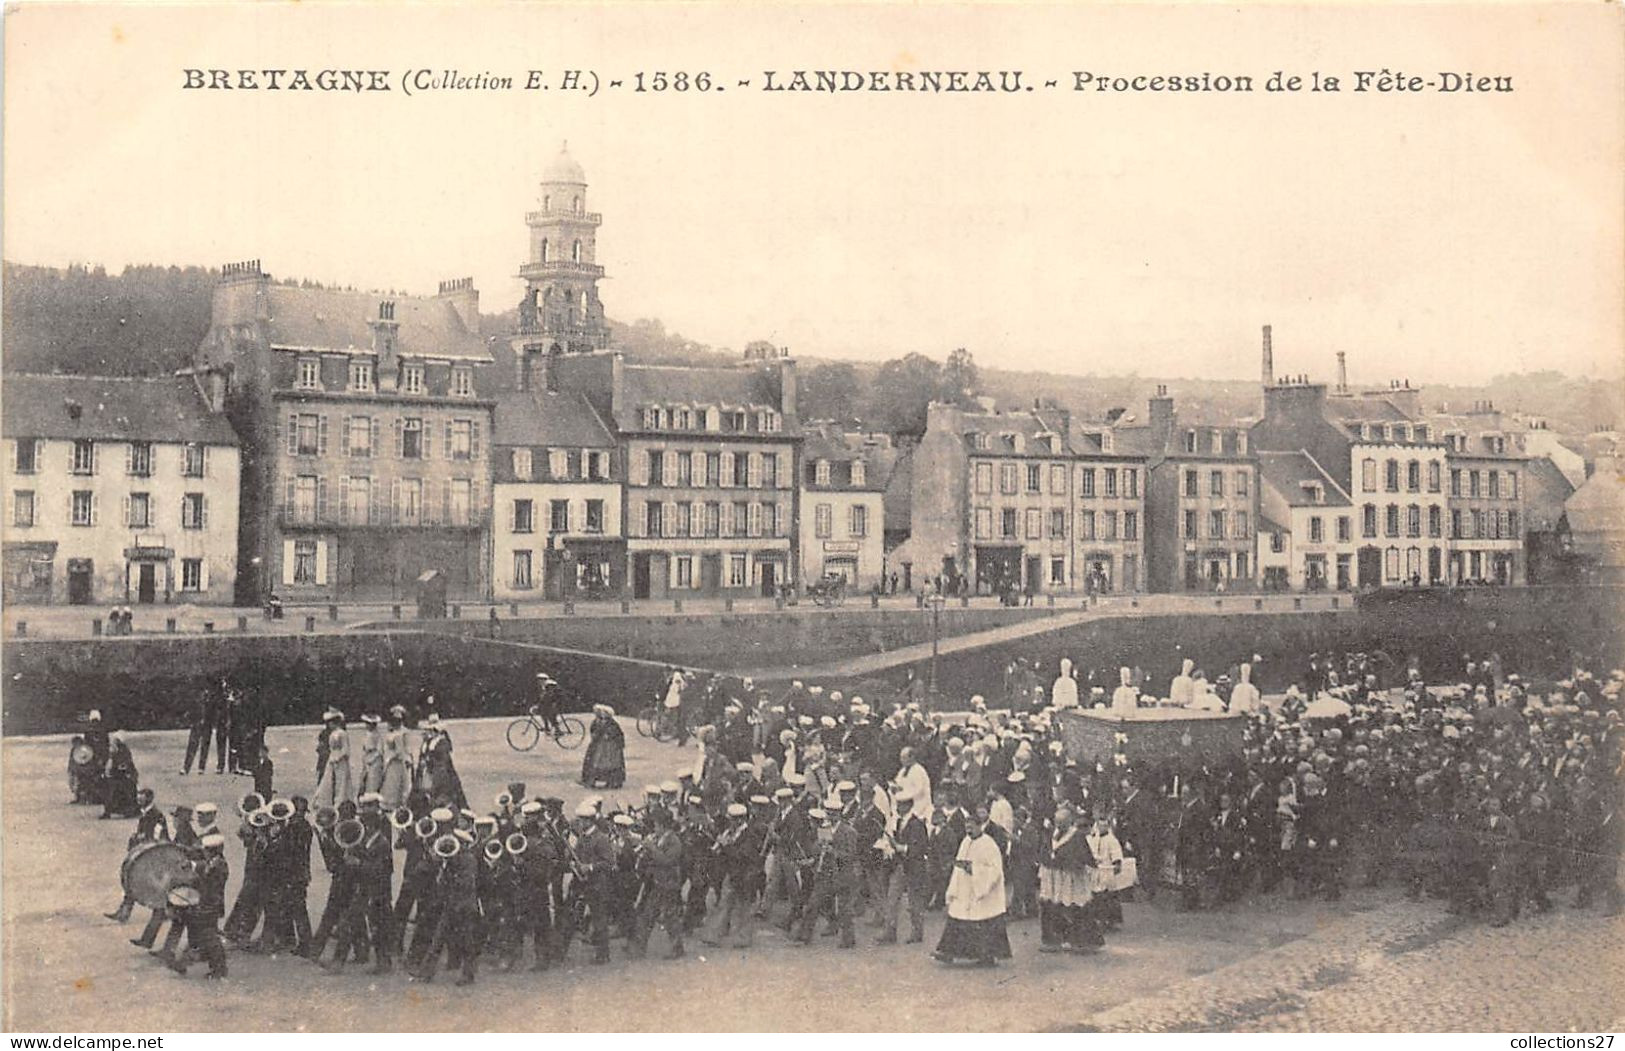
point(119, 490)
point(365, 437)
point(1486, 467)
point(1305, 526)
point(843, 481)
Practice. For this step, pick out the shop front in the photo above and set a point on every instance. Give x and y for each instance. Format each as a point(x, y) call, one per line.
point(148, 573)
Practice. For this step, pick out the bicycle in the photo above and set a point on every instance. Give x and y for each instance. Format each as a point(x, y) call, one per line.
point(658, 722)
point(525, 731)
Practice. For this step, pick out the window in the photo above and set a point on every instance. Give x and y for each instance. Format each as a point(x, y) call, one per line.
point(84, 456)
point(859, 516)
point(27, 455)
point(1109, 477)
point(860, 473)
point(1057, 478)
point(459, 501)
point(524, 516)
point(1057, 572)
point(685, 518)
point(1317, 532)
point(1277, 542)
point(984, 478)
point(459, 439)
point(138, 510)
point(411, 502)
point(355, 500)
point(304, 498)
point(595, 516)
point(1512, 525)
point(521, 464)
point(1413, 476)
point(1455, 525)
point(1512, 485)
point(1057, 525)
point(657, 467)
point(1472, 483)
point(1007, 523)
point(307, 434)
point(462, 382)
point(1242, 532)
point(304, 561)
point(1413, 520)
point(558, 516)
point(1390, 563)
point(736, 421)
point(1131, 525)
point(1086, 481)
point(521, 571)
point(736, 571)
point(597, 462)
point(1215, 524)
point(823, 520)
point(310, 374)
point(193, 511)
point(1368, 520)
point(1495, 485)
point(753, 519)
point(1434, 520)
point(685, 571)
point(191, 574)
point(1368, 475)
point(1216, 484)
point(1190, 484)
point(1034, 523)
point(1455, 481)
point(358, 436)
point(1392, 520)
point(1007, 478)
point(558, 464)
point(1390, 478)
point(1131, 482)
point(412, 446)
point(84, 508)
point(412, 379)
point(770, 470)
point(1190, 525)
point(984, 523)
point(1190, 442)
point(1108, 523)
point(1479, 532)
point(1086, 525)
point(22, 507)
point(360, 374)
point(138, 460)
point(1413, 563)
point(741, 517)
point(1345, 529)
point(1035, 477)
point(1433, 476)
point(651, 518)
point(1242, 483)
point(713, 517)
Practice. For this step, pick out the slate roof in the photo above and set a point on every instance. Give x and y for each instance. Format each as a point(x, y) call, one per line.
point(1364, 408)
point(112, 408)
point(1286, 473)
point(548, 418)
point(676, 385)
point(332, 319)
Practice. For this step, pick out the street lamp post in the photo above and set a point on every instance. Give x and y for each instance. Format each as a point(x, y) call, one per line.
point(937, 602)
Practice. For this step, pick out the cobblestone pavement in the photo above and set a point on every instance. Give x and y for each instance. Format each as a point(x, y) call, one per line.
point(1407, 967)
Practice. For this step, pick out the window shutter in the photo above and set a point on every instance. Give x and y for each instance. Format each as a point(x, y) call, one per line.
point(448, 439)
point(783, 472)
point(668, 518)
point(288, 497)
point(203, 454)
point(203, 518)
point(347, 435)
point(727, 470)
point(634, 522)
point(129, 458)
point(400, 438)
point(445, 500)
point(395, 501)
point(293, 435)
point(126, 512)
point(321, 562)
point(639, 468)
point(321, 435)
point(697, 468)
point(474, 440)
point(287, 561)
point(203, 574)
point(726, 519)
point(513, 515)
point(428, 441)
point(372, 446)
point(668, 467)
point(344, 498)
point(321, 499)
point(753, 471)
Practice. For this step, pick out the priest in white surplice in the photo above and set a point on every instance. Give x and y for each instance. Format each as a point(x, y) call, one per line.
point(975, 929)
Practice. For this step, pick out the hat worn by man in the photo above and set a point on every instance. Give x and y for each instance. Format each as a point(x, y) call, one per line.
point(737, 810)
point(784, 793)
point(586, 809)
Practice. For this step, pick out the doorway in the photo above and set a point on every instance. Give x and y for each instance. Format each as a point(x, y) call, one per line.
point(1370, 567)
point(80, 574)
point(640, 576)
point(1035, 573)
point(770, 579)
point(146, 583)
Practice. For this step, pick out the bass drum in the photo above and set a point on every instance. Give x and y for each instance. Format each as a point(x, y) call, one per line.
point(152, 870)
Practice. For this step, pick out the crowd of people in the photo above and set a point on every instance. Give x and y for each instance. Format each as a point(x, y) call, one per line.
point(805, 808)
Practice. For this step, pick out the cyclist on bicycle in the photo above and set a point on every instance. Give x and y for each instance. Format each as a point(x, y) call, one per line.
point(547, 702)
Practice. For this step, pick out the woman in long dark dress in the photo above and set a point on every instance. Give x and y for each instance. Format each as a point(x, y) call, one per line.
point(604, 765)
point(121, 782)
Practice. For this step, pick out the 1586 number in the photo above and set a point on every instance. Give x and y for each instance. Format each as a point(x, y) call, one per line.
point(672, 82)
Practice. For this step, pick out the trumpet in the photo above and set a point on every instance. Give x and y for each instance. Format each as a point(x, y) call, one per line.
point(250, 803)
point(258, 819)
point(493, 850)
point(516, 843)
point(401, 818)
point(279, 810)
point(424, 826)
point(349, 833)
point(447, 847)
point(504, 801)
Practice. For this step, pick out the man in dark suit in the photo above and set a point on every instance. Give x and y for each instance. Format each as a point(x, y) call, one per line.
point(202, 933)
point(910, 873)
point(150, 827)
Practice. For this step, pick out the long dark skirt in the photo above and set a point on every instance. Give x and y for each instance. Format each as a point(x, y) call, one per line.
point(980, 940)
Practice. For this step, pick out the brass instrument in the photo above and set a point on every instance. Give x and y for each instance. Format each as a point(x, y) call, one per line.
point(280, 810)
point(349, 833)
point(401, 818)
point(493, 850)
point(250, 803)
point(447, 847)
point(516, 843)
point(504, 801)
point(425, 827)
point(259, 819)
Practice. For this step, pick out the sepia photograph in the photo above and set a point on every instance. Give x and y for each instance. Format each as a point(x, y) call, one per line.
point(808, 518)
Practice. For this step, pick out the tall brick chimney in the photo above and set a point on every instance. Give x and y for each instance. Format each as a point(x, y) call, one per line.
point(1342, 372)
point(465, 299)
point(1269, 359)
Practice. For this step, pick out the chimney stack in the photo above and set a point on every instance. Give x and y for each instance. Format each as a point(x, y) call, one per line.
point(1269, 359)
point(1342, 372)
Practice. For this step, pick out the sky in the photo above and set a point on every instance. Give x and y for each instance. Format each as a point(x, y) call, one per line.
point(1437, 237)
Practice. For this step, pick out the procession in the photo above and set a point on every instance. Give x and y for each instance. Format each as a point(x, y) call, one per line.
point(821, 815)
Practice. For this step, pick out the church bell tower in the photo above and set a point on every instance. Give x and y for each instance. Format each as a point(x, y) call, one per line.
point(561, 312)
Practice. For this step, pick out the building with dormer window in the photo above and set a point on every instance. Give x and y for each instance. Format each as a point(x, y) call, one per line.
point(842, 505)
point(366, 439)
